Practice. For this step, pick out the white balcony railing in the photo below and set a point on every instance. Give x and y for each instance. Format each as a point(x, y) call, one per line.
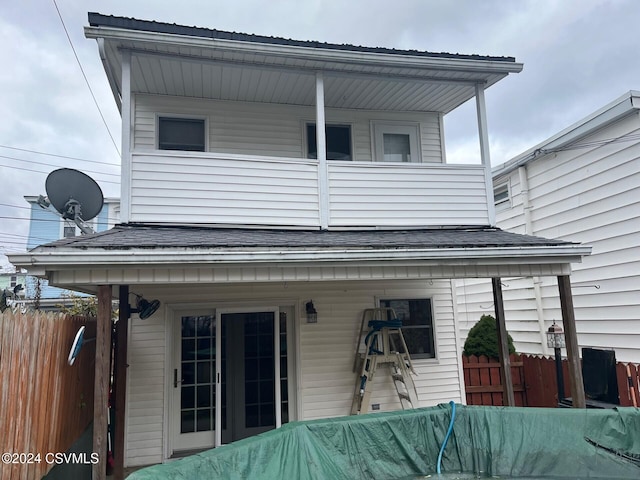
point(210, 188)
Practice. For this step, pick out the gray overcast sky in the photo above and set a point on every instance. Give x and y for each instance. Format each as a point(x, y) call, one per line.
point(578, 55)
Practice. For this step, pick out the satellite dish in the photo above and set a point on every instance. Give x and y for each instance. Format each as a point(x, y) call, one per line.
point(78, 341)
point(75, 195)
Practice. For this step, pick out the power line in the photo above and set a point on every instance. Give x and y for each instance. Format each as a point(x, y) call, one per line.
point(85, 78)
point(54, 165)
point(59, 156)
point(40, 171)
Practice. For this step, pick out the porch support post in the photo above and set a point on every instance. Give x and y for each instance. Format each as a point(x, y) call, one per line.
point(503, 345)
point(101, 385)
point(485, 157)
point(571, 341)
point(125, 181)
point(321, 147)
point(120, 382)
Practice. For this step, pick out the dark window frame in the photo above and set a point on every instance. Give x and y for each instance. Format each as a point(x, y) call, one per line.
point(409, 328)
point(333, 144)
point(182, 144)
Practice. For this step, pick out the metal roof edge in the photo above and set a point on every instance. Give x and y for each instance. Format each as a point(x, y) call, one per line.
point(613, 111)
point(99, 20)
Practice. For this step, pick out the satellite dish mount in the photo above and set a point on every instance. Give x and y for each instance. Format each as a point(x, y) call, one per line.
point(74, 195)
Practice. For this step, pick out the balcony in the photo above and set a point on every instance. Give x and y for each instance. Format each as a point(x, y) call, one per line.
point(227, 189)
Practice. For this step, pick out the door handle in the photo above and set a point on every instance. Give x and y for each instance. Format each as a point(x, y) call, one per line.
point(175, 378)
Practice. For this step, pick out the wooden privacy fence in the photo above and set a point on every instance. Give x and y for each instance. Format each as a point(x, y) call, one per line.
point(534, 381)
point(45, 404)
point(484, 385)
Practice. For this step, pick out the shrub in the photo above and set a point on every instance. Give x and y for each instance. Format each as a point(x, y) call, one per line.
point(483, 339)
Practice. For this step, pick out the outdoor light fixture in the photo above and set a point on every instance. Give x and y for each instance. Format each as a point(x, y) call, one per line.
point(555, 336)
point(555, 340)
point(312, 314)
point(144, 308)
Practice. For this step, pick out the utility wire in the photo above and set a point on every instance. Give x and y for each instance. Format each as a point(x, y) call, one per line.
point(59, 156)
point(40, 171)
point(54, 165)
point(86, 79)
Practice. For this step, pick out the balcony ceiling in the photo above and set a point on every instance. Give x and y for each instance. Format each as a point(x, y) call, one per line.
point(165, 61)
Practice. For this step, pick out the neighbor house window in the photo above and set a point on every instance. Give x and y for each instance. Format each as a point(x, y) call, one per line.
point(181, 134)
point(417, 324)
point(338, 142)
point(396, 143)
point(69, 231)
point(501, 196)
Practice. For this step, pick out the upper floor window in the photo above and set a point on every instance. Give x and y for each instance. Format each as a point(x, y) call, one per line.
point(501, 197)
point(417, 325)
point(69, 231)
point(338, 142)
point(175, 133)
point(396, 142)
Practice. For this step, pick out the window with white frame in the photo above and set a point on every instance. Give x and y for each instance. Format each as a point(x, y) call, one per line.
point(338, 140)
point(417, 324)
point(178, 133)
point(396, 142)
point(501, 197)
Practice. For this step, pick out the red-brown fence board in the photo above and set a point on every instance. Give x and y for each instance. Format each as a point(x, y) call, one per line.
point(45, 404)
point(534, 381)
point(483, 382)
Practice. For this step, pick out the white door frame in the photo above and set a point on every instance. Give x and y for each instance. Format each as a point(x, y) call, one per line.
point(276, 349)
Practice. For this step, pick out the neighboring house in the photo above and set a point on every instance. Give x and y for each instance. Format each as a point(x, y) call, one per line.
point(46, 226)
point(581, 185)
point(9, 281)
point(237, 212)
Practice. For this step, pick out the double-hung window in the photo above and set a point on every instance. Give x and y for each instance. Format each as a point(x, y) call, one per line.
point(338, 138)
point(177, 133)
point(417, 324)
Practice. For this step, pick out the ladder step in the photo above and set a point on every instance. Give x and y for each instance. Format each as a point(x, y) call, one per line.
point(404, 396)
point(397, 377)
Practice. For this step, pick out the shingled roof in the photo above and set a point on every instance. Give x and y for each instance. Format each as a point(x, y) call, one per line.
point(135, 236)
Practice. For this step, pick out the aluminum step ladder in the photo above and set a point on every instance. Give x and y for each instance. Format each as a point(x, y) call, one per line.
point(382, 343)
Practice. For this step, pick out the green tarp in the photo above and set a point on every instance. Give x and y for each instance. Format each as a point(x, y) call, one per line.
point(508, 442)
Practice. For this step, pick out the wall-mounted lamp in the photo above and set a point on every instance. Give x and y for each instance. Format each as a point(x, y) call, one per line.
point(144, 308)
point(312, 314)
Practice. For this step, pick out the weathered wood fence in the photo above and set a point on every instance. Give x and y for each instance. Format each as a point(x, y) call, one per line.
point(534, 381)
point(45, 404)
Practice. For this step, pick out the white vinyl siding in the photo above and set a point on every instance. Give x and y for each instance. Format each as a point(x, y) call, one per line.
point(417, 195)
point(591, 196)
point(324, 376)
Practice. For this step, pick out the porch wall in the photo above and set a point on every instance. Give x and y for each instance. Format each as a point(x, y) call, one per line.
point(325, 350)
point(263, 129)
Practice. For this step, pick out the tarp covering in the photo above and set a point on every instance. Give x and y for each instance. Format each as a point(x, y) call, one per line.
point(487, 441)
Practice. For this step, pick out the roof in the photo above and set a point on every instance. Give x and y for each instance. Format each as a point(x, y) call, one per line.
point(100, 20)
point(610, 113)
point(209, 63)
point(133, 236)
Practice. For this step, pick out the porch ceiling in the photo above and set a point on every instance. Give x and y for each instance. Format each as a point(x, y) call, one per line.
point(135, 254)
point(196, 62)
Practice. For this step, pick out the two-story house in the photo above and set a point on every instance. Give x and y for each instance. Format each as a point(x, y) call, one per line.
point(581, 185)
point(263, 178)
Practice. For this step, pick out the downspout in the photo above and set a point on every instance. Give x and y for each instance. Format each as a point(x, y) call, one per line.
point(125, 180)
point(523, 175)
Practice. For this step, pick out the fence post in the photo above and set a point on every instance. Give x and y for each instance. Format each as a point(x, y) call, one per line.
point(102, 380)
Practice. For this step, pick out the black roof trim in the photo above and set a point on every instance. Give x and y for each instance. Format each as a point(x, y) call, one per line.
point(100, 20)
point(142, 236)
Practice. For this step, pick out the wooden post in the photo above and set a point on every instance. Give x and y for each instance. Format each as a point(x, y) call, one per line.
point(120, 382)
point(508, 398)
point(571, 341)
point(101, 385)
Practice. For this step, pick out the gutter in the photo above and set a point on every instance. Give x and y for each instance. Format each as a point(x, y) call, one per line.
point(74, 258)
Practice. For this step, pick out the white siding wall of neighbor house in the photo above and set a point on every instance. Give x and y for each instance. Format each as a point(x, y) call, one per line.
point(589, 195)
point(255, 171)
point(325, 381)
